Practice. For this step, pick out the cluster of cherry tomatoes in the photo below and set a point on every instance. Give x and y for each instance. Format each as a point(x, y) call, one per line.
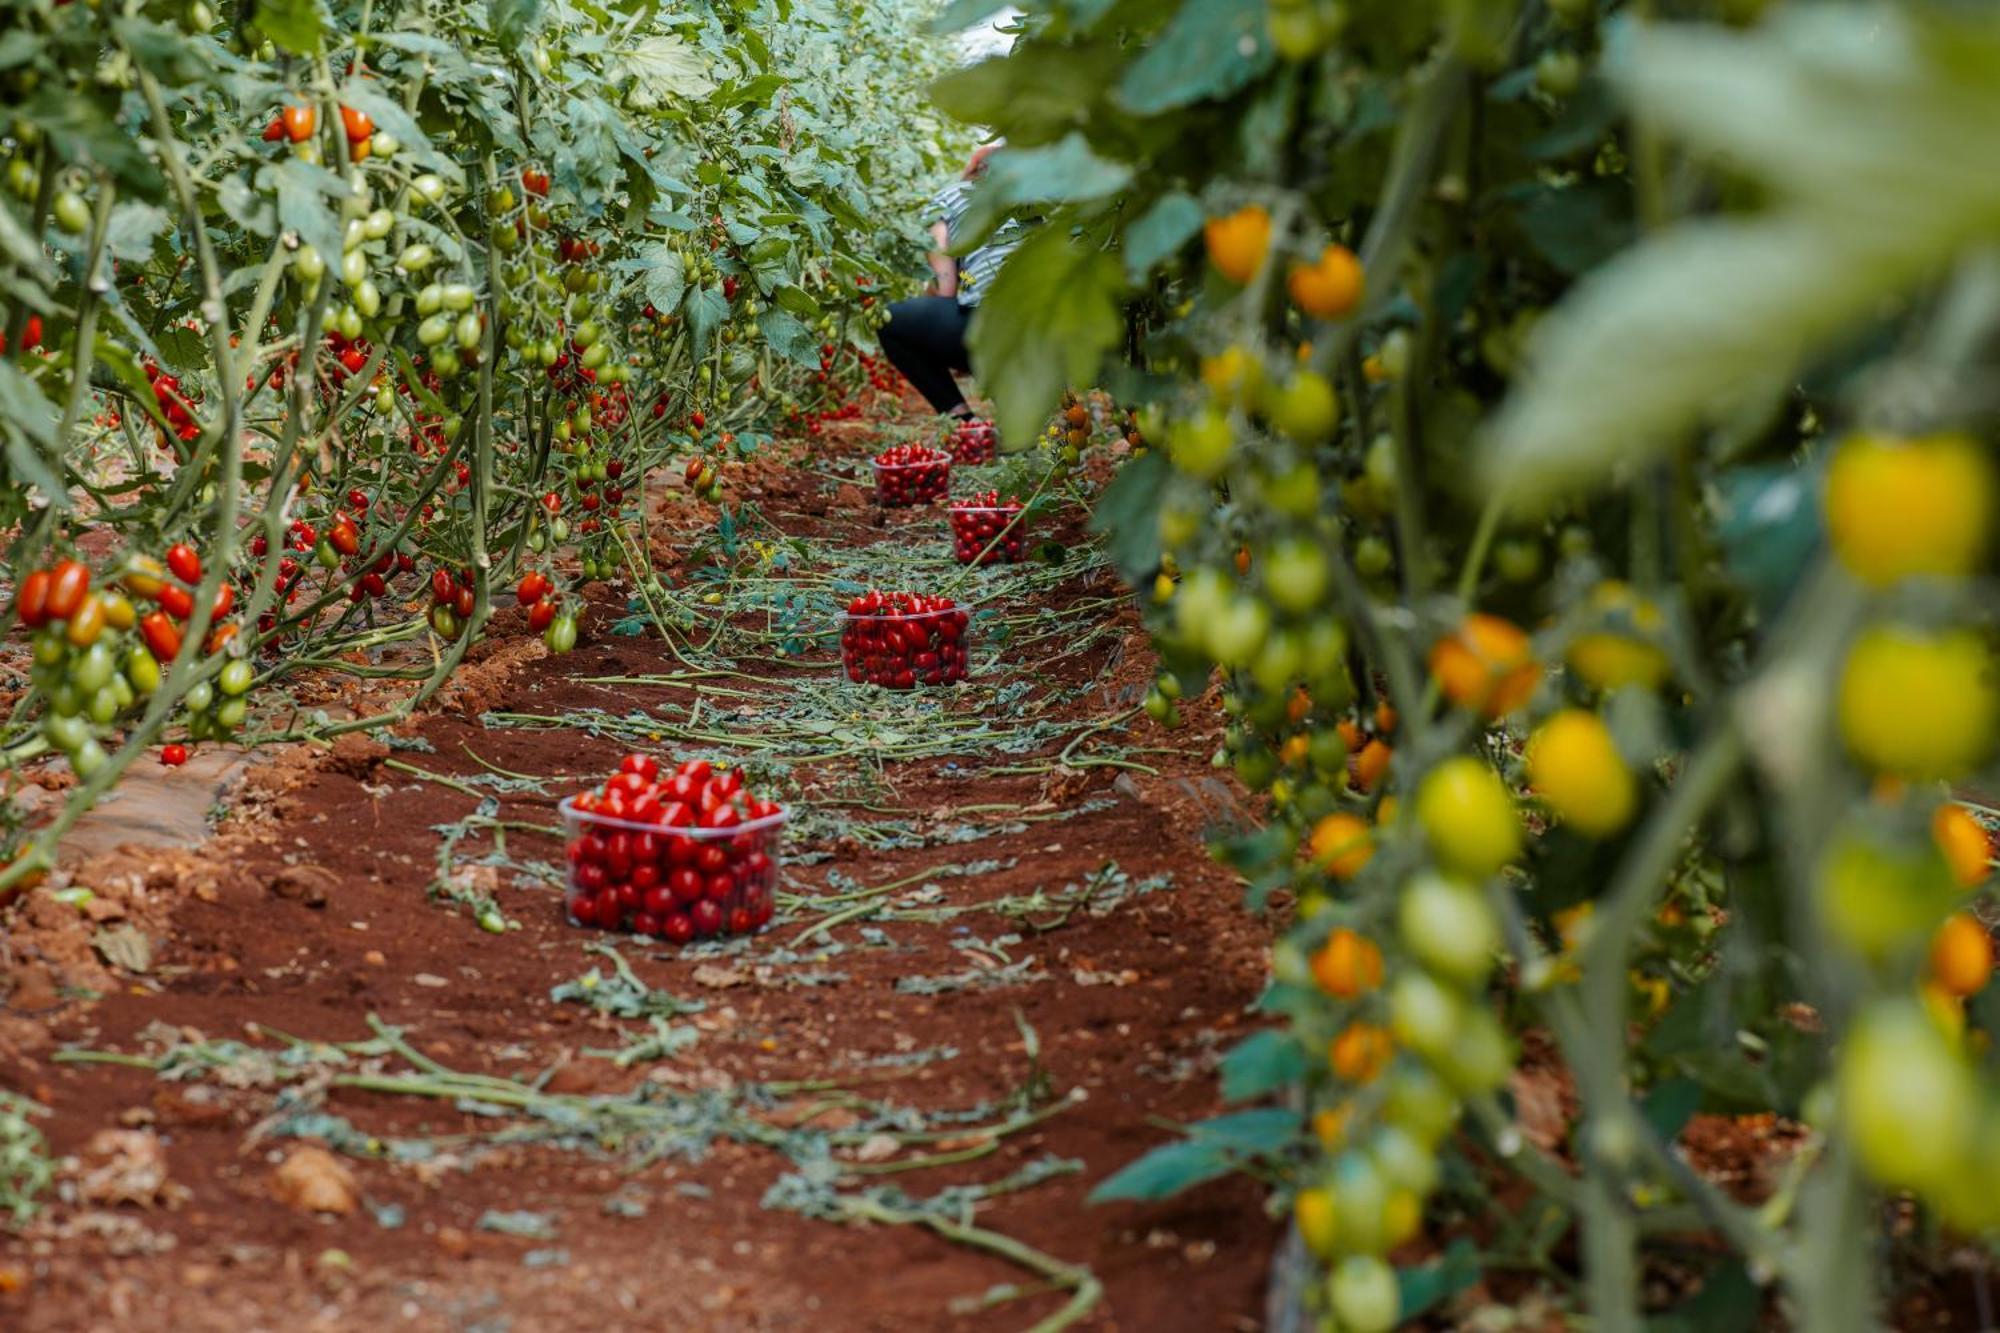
point(911, 474)
point(987, 529)
point(973, 442)
point(679, 856)
point(174, 406)
point(95, 655)
point(900, 640)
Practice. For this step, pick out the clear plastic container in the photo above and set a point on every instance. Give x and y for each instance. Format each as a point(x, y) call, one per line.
point(974, 442)
point(983, 533)
point(900, 485)
point(907, 650)
point(671, 883)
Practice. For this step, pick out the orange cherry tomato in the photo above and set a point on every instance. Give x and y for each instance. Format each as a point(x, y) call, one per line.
point(300, 122)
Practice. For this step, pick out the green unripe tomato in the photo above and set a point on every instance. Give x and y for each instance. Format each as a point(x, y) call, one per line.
point(434, 330)
point(307, 264)
point(236, 677)
point(1306, 408)
point(378, 224)
point(367, 298)
point(467, 330)
point(415, 258)
point(353, 267)
point(429, 187)
point(200, 697)
point(71, 213)
point(1200, 445)
point(229, 715)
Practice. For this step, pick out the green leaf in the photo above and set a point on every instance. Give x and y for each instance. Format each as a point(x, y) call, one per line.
point(1577, 228)
point(1164, 228)
point(1728, 1302)
point(512, 20)
point(962, 14)
point(797, 300)
point(1038, 95)
point(788, 337)
point(1434, 1283)
point(1701, 322)
point(1212, 48)
point(1262, 1063)
point(134, 228)
point(1066, 172)
point(706, 310)
point(1048, 318)
point(293, 24)
point(29, 421)
point(1213, 1148)
point(1668, 1106)
point(1127, 513)
point(666, 279)
point(307, 201)
point(663, 67)
point(1165, 1172)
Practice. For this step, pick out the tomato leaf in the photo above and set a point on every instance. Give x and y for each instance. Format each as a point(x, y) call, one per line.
point(1127, 514)
point(1066, 172)
point(1262, 1063)
point(1048, 319)
point(295, 25)
point(1159, 233)
point(1434, 1283)
point(1211, 49)
point(1699, 323)
point(512, 20)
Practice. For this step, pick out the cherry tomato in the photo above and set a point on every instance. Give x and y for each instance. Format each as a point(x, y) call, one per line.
point(358, 124)
point(31, 599)
point(173, 756)
point(184, 564)
point(162, 637)
point(69, 580)
point(176, 601)
point(299, 122)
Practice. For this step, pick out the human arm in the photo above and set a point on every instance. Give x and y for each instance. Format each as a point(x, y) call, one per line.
point(942, 264)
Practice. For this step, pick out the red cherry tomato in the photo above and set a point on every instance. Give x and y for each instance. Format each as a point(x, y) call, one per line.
point(161, 636)
point(31, 599)
point(299, 122)
point(184, 563)
point(176, 601)
point(358, 124)
point(69, 581)
point(173, 756)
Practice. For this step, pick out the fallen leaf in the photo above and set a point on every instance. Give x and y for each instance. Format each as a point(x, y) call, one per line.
point(719, 978)
point(124, 946)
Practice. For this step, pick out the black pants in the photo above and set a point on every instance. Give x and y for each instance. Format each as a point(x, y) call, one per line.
point(925, 339)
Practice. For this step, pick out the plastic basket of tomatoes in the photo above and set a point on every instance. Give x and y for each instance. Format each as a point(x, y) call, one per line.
point(988, 530)
point(973, 442)
point(684, 855)
point(911, 474)
point(901, 640)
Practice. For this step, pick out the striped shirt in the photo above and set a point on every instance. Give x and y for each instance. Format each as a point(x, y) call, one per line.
point(976, 270)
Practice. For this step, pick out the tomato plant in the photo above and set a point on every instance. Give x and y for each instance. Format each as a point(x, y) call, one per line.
point(313, 305)
point(1594, 542)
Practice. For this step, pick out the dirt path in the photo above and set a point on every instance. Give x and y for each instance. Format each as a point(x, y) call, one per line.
point(993, 977)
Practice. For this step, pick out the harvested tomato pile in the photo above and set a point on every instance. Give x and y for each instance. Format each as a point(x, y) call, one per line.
point(681, 857)
point(911, 474)
point(987, 530)
point(902, 639)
